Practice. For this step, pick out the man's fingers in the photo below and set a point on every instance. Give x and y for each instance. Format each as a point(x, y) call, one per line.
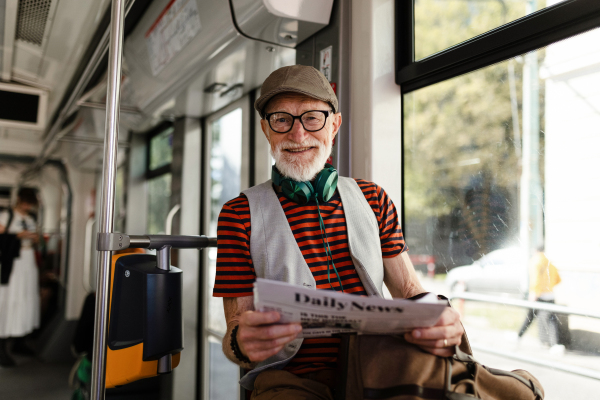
point(448, 326)
point(259, 350)
point(443, 352)
point(449, 316)
point(259, 337)
point(268, 332)
point(264, 345)
point(438, 343)
point(438, 332)
point(441, 338)
point(263, 355)
point(256, 318)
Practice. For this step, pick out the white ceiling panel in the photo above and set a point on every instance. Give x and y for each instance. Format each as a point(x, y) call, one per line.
point(67, 33)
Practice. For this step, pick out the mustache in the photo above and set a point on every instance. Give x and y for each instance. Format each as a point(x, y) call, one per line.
point(289, 145)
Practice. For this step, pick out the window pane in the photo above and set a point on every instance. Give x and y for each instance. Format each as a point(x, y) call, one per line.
point(440, 24)
point(161, 149)
point(497, 163)
point(223, 374)
point(159, 202)
point(225, 172)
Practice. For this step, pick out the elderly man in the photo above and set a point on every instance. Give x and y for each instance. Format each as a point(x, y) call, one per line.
point(305, 227)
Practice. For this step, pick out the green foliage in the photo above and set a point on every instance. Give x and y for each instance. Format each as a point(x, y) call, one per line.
point(161, 149)
point(440, 24)
point(159, 195)
point(460, 131)
point(159, 188)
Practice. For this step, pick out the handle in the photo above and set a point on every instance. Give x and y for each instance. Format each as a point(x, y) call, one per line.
point(174, 241)
point(163, 261)
point(119, 241)
point(169, 221)
point(87, 253)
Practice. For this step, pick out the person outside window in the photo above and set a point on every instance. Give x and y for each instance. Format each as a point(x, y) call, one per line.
point(543, 277)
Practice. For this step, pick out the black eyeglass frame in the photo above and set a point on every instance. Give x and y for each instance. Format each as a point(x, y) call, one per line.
point(298, 117)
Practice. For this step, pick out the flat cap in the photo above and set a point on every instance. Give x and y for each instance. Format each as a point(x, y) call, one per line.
point(299, 79)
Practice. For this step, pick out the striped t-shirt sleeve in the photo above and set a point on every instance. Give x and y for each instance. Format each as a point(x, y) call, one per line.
point(390, 231)
point(235, 272)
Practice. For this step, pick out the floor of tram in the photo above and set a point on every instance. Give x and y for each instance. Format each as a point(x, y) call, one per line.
point(33, 379)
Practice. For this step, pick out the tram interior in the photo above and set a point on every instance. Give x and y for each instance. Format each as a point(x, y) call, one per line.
point(484, 165)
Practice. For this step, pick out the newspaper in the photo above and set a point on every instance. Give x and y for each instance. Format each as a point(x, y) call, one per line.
point(325, 312)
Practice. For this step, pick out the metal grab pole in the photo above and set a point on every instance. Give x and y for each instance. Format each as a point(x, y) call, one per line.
point(105, 224)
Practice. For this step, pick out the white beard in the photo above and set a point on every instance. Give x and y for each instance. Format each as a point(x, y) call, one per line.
point(297, 169)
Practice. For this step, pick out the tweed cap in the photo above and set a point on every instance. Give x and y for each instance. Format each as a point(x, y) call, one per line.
point(299, 79)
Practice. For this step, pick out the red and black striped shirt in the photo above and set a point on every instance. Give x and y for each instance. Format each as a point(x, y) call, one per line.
point(235, 273)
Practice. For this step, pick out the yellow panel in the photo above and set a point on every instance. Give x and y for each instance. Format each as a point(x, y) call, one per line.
point(126, 365)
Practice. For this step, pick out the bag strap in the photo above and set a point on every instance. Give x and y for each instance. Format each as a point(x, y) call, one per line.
point(527, 382)
point(405, 390)
point(462, 356)
point(450, 395)
point(466, 358)
point(10, 218)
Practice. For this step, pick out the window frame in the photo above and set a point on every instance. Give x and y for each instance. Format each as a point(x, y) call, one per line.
point(536, 30)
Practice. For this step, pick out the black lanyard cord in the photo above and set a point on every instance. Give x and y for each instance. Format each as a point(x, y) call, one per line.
point(328, 251)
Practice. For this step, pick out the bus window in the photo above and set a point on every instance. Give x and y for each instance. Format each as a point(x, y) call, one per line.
point(161, 149)
point(440, 24)
point(498, 166)
point(228, 176)
point(160, 155)
point(159, 195)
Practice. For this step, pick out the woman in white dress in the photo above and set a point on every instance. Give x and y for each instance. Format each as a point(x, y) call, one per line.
point(20, 299)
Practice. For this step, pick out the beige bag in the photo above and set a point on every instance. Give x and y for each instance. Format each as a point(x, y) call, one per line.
point(388, 367)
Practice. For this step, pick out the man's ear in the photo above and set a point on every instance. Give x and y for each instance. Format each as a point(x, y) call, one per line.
point(265, 128)
point(336, 123)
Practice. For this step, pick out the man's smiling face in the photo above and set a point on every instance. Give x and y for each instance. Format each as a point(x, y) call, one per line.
point(300, 154)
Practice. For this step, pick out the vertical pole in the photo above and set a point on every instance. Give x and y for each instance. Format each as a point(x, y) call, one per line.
point(531, 204)
point(163, 261)
point(109, 169)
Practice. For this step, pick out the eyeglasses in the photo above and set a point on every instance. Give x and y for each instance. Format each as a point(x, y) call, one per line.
point(312, 121)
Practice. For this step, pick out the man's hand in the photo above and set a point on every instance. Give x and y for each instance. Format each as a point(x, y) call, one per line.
point(260, 338)
point(402, 281)
point(432, 339)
